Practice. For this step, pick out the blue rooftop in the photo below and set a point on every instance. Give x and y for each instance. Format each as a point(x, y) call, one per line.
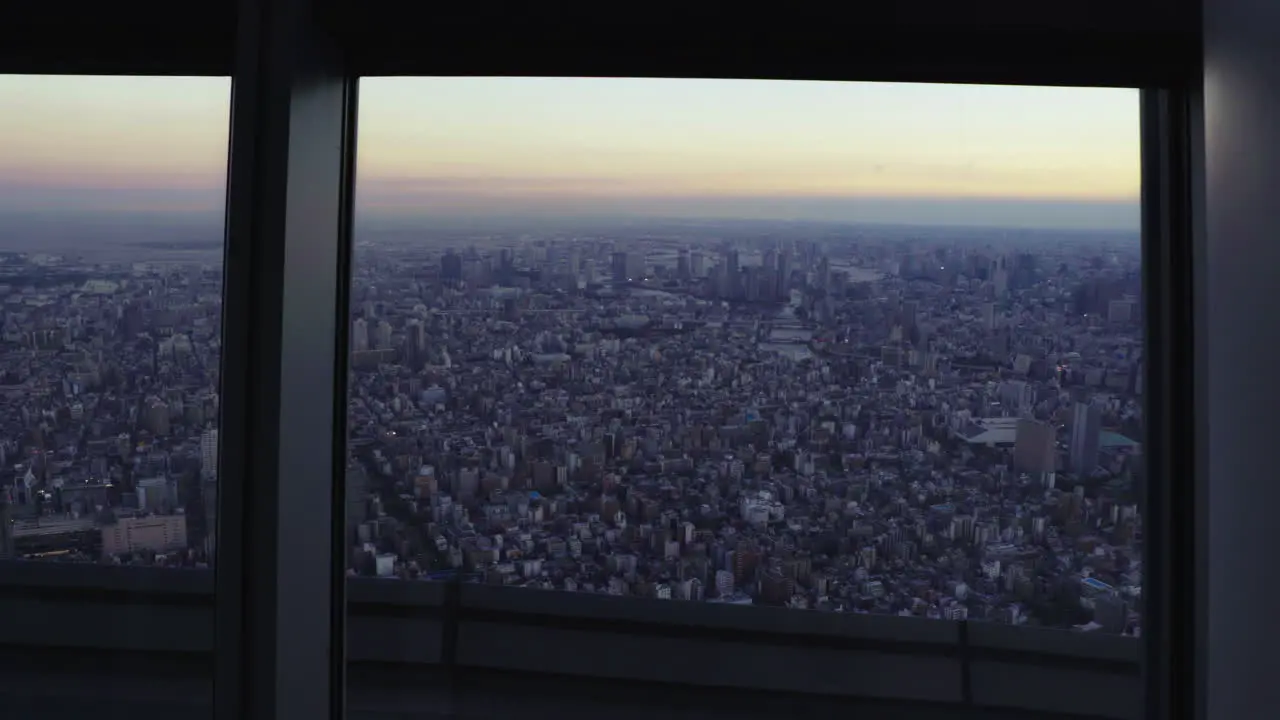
point(1109, 439)
point(1096, 584)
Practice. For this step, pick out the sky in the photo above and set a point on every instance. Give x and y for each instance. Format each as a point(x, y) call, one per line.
point(869, 152)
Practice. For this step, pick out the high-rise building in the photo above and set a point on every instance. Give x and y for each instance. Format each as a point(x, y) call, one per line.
point(209, 453)
point(383, 336)
point(697, 264)
point(1034, 448)
point(770, 260)
point(506, 271)
point(415, 336)
point(6, 525)
point(357, 499)
point(724, 583)
point(635, 266)
point(451, 267)
point(360, 335)
point(1017, 397)
point(1000, 276)
point(619, 267)
point(1086, 430)
point(732, 273)
point(784, 274)
point(415, 344)
point(910, 311)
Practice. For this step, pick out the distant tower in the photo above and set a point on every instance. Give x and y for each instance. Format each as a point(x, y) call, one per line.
point(451, 267)
point(697, 264)
point(1000, 276)
point(619, 268)
point(784, 274)
point(910, 312)
point(732, 266)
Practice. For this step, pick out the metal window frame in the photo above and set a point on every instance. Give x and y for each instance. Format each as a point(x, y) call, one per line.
point(279, 572)
point(1173, 569)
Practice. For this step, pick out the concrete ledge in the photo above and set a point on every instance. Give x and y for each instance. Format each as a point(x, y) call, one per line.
point(1062, 643)
point(395, 593)
point(69, 624)
point(758, 621)
point(22, 575)
point(819, 670)
point(546, 633)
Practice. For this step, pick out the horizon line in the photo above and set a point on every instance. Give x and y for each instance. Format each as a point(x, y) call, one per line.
point(210, 218)
point(439, 188)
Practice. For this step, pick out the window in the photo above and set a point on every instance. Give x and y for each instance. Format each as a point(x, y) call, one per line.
point(112, 196)
point(112, 254)
point(842, 348)
point(782, 301)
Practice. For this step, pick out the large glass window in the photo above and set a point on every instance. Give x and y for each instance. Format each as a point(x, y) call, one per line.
point(112, 195)
point(839, 347)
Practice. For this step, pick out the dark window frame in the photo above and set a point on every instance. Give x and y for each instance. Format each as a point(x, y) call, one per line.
point(1140, 43)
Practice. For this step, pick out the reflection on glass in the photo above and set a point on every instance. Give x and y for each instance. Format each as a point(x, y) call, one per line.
point(850, 348)
point(111, 199)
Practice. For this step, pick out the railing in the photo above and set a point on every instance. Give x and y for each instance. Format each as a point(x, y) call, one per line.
point(481, 631)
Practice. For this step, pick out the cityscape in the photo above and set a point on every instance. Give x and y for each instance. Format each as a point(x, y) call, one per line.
point(932, 419)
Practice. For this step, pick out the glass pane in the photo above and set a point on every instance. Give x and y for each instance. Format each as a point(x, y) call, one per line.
point(844, 348)
point(111, 232)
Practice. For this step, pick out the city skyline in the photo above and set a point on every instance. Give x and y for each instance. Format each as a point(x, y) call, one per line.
point(572, 390)
point(848, 152)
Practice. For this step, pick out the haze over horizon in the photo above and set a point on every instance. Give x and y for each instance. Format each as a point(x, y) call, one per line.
point(589, 147)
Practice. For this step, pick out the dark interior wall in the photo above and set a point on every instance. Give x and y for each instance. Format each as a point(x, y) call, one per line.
point(1239, 272)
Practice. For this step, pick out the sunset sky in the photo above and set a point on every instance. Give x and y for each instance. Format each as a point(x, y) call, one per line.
point(852, 151)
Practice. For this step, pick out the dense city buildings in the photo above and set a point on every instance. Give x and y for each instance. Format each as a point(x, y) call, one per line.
point(926, 421)
point(108, 374)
